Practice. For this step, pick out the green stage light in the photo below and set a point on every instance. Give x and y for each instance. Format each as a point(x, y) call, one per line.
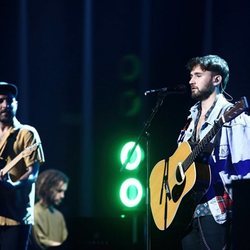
point(135, 158)
point(131, 192)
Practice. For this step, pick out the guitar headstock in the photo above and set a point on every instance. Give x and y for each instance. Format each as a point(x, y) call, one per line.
point(238, 108)
point(27, 151)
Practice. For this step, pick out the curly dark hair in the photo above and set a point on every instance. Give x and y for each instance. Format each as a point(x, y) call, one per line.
point(46, 183)
point(212, 63)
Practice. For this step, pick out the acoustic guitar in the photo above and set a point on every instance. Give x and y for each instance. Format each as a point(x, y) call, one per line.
point(178, 184)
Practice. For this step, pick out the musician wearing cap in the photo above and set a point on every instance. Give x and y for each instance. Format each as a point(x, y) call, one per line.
point(21, 155)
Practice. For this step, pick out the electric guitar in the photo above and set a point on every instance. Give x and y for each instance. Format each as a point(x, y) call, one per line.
point(26, 152)
point(179, 183)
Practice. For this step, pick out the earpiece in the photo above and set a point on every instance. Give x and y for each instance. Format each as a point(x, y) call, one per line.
point(217, 79)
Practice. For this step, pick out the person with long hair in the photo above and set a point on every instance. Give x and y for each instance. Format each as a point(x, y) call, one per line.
point(50, 228)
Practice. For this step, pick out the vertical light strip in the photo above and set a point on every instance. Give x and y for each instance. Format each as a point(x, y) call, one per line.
point(23, 62)
point(87, 82)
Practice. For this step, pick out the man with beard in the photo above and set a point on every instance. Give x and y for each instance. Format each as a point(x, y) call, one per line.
point(227, 154)
point(20, 156)
point(49, 230)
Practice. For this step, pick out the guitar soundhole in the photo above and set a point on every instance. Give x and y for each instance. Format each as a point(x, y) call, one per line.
point(178, 190)
point(178, 175)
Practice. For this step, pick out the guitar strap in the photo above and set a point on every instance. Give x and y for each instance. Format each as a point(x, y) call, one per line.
point(183, 131)
point(3, 140)
point(187, 123)
point(2, 147)
point(6, 145)
point(223, 110)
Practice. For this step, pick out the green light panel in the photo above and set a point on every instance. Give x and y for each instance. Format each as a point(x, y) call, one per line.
point(136, 157)
point(131, 192)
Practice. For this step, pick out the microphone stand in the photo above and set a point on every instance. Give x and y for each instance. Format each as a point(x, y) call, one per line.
point(144, 131)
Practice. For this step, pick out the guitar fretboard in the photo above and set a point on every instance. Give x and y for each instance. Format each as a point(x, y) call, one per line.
point(233, 112)
point(203, 143)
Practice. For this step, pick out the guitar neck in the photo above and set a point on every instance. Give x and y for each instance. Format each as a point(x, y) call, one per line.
point(27, 151)
point(203, 143)
point(209, 136)
point(10, 165)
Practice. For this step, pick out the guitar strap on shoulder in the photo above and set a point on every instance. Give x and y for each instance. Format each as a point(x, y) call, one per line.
point(187, 123)
point(223, 110)
point(182, 132)
point(7, 142)
point(3, 141)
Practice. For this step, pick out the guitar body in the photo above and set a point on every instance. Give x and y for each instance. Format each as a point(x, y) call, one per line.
point(174, 191)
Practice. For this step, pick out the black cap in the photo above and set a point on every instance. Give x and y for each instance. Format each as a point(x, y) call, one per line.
point(6, 88)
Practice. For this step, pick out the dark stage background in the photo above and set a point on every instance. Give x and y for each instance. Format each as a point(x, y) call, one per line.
point(82, 67)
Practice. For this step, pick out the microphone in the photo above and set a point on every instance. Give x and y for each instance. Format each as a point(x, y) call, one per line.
point(179, 89)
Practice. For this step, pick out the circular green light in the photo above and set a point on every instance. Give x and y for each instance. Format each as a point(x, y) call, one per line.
point(135, 158)
point(130, 68)
point(130, 103)
point(131, 192)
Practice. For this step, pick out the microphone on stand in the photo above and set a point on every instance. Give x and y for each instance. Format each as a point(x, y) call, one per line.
point(179, 89)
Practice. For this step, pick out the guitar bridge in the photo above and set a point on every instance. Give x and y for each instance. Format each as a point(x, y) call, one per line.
point(167, 189)
point(165, 181)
